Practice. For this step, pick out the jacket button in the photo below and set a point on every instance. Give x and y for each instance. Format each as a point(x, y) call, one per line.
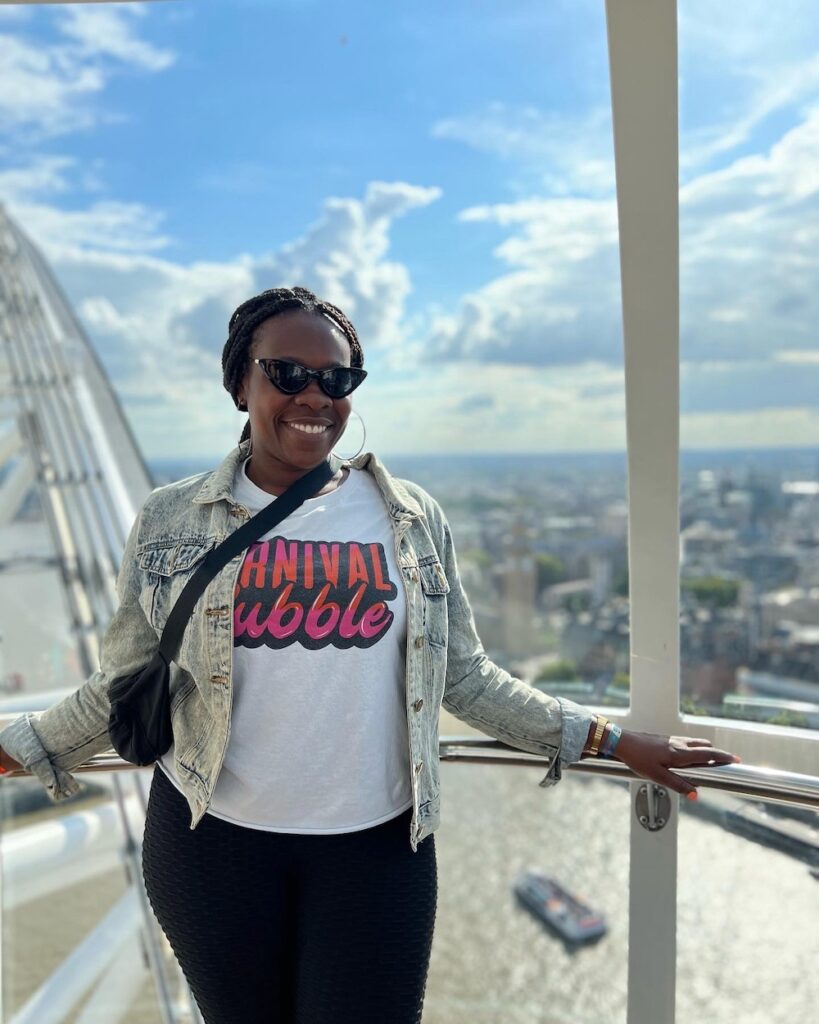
point(414, 575)
point(419, 704)
point(419, 641)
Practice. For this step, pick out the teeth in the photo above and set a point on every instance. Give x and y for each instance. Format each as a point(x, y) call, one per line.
point(311, 429)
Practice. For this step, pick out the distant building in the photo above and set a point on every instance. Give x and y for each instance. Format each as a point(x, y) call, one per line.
point(782, 687)
point(519, 591)
point(704, 545)
point(554, 598)
point(714, 645)
point(794, 604)
point(767, 567)
point(613, 521)
point(602, 572)
point(791, 649)
point(598, 642)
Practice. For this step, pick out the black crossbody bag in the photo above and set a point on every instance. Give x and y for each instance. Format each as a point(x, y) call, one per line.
point(139, 722)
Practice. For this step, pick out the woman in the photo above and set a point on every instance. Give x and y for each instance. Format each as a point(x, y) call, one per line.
point(305, 701)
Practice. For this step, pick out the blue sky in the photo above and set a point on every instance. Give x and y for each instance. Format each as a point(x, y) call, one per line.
point(446, 176)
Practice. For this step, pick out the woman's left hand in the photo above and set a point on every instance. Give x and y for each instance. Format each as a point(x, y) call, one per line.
point(650, 756)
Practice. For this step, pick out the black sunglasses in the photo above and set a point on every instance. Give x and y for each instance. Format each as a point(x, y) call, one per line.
point(290, 377)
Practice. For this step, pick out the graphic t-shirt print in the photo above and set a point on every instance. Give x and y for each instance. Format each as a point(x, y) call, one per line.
point(314, 593)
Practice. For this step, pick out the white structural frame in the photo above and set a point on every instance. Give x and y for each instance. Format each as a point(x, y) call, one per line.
point(92, 479)
point(643, 61)
point(642, 41)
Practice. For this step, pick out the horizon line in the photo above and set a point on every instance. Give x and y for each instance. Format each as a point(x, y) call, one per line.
point(494, 453)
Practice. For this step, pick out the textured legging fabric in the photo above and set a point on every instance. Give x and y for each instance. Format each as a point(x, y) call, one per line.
point(280, 928)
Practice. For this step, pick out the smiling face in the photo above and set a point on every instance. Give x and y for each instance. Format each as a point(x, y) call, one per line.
point(295, 432)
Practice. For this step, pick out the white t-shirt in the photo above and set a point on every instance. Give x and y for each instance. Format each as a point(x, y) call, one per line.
point(318, 740)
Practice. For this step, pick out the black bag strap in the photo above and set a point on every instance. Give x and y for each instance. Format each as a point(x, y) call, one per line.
point(216, 559)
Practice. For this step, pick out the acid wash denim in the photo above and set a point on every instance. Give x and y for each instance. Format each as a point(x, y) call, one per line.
point(446, 664)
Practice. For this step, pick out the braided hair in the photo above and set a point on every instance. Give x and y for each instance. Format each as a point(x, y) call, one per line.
point(252, 312)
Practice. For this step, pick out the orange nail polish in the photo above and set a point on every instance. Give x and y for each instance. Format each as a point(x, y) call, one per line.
point(691, 796)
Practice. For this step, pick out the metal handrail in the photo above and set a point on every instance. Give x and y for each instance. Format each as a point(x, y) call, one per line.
point(751, 781)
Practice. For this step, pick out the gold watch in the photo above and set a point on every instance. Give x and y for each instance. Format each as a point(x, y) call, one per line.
point(598, 734)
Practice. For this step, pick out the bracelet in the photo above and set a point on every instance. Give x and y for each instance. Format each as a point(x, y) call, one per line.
point(613, 738)
point(601, 724)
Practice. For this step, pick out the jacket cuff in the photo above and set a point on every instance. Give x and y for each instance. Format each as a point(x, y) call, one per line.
point(576, 719)
point(21, 741)
point(576, 722)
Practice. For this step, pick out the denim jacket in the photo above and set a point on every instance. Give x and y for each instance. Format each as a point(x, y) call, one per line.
point(446, 664)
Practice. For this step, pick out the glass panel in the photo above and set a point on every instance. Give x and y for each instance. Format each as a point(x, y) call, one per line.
point(446, 176)
point(750, 372)
point(512, 412)
point(747, 906)
point(541, 542)
point(493, 959)
point(37, 650)
point(497, 147)
point(73, 935)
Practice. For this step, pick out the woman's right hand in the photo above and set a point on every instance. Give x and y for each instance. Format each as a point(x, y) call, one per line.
point(8, 763)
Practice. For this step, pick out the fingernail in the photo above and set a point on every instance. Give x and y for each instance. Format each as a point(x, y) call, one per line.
point(737, 759)
point(691, 796)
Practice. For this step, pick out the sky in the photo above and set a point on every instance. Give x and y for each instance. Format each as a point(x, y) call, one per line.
point(444, 174)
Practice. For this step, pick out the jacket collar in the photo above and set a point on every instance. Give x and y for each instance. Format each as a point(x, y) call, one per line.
point(401, 504)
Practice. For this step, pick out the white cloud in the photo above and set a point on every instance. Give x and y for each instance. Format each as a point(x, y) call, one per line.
point(45, 175)
point(786, 174)
point(727, 315)
point(761, 428)
point(556, 303)
point(549, 321)
point(749, 244)
point(772, 90)
point(135, 308)
point(40, 89)
point(160, 326)
point(800, 357)
point(47, 88)
point(108, 31)
point(740, 63)
point(512, 408)
point(756, 60)
point(750, 374)
point(709, 386)
point(571, 153)
point(343, 257)
point(747, 34)
point(106, 226)
point(554, 231)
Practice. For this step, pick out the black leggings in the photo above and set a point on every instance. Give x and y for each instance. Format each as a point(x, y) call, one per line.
point(283, 928)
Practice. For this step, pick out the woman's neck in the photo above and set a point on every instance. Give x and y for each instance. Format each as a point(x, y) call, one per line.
point(277, 479)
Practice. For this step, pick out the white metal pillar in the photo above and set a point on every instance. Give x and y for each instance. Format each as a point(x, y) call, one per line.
point(642, 40)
